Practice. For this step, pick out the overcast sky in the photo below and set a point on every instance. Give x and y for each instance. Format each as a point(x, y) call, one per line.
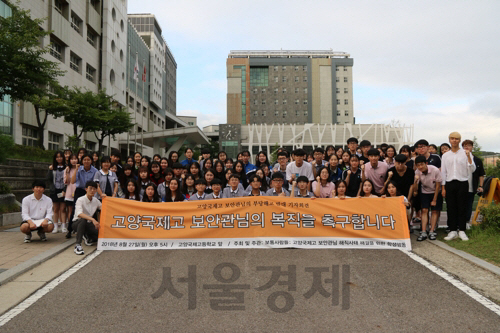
point(434, 64)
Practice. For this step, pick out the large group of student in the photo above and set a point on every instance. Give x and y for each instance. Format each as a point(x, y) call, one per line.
point(423, 174)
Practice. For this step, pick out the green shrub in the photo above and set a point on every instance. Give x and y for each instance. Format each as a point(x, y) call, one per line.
point(6, 145)
point(31, 153)
point(9, 208)
point(491, 217)
point(5, 188)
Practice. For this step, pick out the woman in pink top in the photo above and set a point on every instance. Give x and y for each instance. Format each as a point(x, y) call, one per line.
point(70, 188)
point(323, 188)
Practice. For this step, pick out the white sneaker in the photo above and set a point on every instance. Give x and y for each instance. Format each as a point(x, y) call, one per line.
point(463, 236)
point(451, 235)
point(55, 228)
point(63, 228)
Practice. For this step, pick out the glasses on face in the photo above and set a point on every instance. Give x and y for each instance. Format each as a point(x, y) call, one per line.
point(278, 180)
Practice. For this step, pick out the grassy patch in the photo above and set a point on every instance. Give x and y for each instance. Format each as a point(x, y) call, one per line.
point(20, 152)
point(483, 243)
point(9, 209)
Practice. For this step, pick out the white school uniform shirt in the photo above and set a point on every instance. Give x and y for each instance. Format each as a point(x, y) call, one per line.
point(86, 206)
point(456, 166)
point(33, 209)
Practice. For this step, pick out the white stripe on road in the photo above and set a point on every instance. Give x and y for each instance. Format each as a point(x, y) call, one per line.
point(460, 285)
point(6, 317)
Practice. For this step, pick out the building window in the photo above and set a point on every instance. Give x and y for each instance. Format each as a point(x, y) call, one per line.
point(263, 102)
point(345, 78)
point(276, 113)
point(346, 101)
point(297, 101)
point(346, 113)
point(283, 79)
point(338, 101)
point(337, 68)
point(276, 102)
point(306, 113)
point(90, 73)
point(305, 79)
point(56, 50)
point(296, 90)
point(345, 69)
point(284, 114)
point(29, 136)
point(264, 113)
point(305, 90)
point(283, 68)
point(276, 79)
point(55, 141)
point(337, 79)
point(74, 62)
point(263, 90)
point(337, 90)
point(345, 90)
point(254, 90)
point(6, 113)
point(305, 102)
point(297, 113)
point(338, 113)
point(76, 23)
point(296, 68)
point(296, 79)
point(284, 102)
point(259, 77)
point(275, 68)
point(304, 68)
point(89, 145)
point(58, 5)
point(255, 113)
point(255, 102)
point(275, 90)
point(284, 90)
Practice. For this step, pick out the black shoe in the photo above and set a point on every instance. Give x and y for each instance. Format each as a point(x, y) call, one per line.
point(68, 234)
point(87, 240)
point(422, 236)
point(41, 234)
point(432, 235)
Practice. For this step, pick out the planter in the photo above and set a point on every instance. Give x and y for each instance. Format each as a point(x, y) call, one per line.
point(10, 219)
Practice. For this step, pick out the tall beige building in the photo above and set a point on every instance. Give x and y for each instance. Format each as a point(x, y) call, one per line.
point(294, 87)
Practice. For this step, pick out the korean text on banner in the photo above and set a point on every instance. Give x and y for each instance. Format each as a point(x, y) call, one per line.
point(250, 222)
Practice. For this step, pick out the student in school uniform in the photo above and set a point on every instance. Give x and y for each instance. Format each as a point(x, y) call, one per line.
point(322, 187)
point(255, 186)
point(300, 188)
point(132, 192)
point(200, 185)
point(173, 192)
point(233, 191)
point(106, 179)
point(150, 193)
point(37, 213)
point(216, 190)
point(277, 180)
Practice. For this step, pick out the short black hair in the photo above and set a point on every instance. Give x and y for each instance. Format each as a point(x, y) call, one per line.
point(234, 175)
point(373, 152)
point(384, 146)
point(319, 150)
point(116, 152)
point(91, 183)
point(283, 153)
point(86, 155)
point(422, 142)
point(177, 165)
point(420, 159)
point(39, 183)
point(352, 140)
point(105, 159)
point(244, 152)
point(299, 152)
point(302, 179)
point(255, 177)
point(400, 158)
point(186, 150)
point(205, 151)
point(277, 175)
point(216, 181)
point(365, 143)
point(201, 181)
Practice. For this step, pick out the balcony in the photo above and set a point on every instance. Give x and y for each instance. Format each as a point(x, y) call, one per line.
point(59, 25)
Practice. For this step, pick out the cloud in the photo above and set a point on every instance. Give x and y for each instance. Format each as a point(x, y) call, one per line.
point(431, 63)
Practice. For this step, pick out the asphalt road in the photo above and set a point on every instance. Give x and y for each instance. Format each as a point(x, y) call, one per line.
point(368, 291)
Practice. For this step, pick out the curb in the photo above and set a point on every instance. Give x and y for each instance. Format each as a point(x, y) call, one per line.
point(15, 271)
point(475, 260)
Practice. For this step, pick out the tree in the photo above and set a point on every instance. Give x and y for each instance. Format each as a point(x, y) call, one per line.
point(24, 73)
point(84, 108)
point(111, 122)
point(476, 148)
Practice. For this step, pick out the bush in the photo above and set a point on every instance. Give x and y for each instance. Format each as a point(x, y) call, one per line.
point(9, 209)
point(493, 171)
point(5, 188)
point(6, 145)
point(31, 153)
point(491, 217)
